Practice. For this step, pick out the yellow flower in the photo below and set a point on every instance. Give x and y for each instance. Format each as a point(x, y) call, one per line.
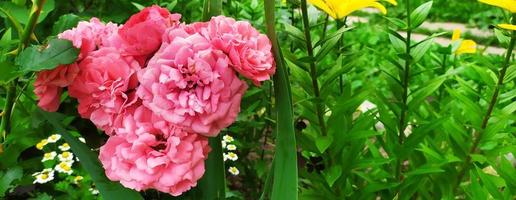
point(509, 5)
point(507, 26)
point(465, 46)
point(339, 9)
point(77, 179)
point(41, 144)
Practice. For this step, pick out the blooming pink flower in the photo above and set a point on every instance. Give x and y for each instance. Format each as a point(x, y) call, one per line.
point(248, 50)
point(141, 34)
point(105, 86)
point(189, 84)
point(49, 85)
point(148, 152)
point(89, 36)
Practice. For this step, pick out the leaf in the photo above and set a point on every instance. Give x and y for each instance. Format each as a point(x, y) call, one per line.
point(323, 143)
point(397, 22)
point(326, 48)
point(90, 162)
point(285, 183)
point(7, 72)
point(397, 42)
point(332, 174)
point(295, 33)
point(8, 177)
point(420, 50)
point(212, 185)
point(420, 95)
point(65, 22)
point(138, 6)
point(425, 170)
point(59, 52)
point(21, 13)
point(418, 16)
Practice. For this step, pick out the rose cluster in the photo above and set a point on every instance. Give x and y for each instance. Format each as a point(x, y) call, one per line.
point(158, 88)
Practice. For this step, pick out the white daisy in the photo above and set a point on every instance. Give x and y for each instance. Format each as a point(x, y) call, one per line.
point(228, 138)
point(234, 171)
point(224, 144)
point(225, 156)
point(44, 176)
point(77, 179)
point(64, 167)
point(94, 191)
point(53, 138)
point(49, 156)
point(232, 156)
point(231, 147)
point(65, 156)
point(64, 147)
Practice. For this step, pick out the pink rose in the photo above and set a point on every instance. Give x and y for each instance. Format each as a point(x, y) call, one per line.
point(189, 84)
point(105, 86)
point(50, 83)
point(249, 51)
point(148, 152)
point(89, 36)
point(141, 34)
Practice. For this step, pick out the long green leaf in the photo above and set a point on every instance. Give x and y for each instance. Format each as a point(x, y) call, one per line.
point(90, 162)
point(285, 158)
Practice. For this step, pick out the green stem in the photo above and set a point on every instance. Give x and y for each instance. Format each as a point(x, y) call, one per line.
point(285, 157)
point(404, 97)
point(319, 106)
point(37, 6)
point(443, 71)
point(478, 134)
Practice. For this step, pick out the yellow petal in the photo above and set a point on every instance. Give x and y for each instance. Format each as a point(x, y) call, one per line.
point(467, 46)
point(323, 6)
point(350, 6)
point(456, 34)
point(508, 26)
point(509, 5)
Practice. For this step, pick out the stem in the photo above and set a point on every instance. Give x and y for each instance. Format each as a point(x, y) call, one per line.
point(325, 25)
point(443, 70)
point(477, 134)
point(404, 97)
point(37, 6)
point(341, 49)
point(313, 70)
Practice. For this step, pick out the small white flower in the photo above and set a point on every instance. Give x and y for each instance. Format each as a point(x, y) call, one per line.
point(231, 147)
point(64, 167)
point(228, 138)
point(234, 171)
point(41, 144)
point(64, 147)
point(94, 191)
point(53, 138)
point(82, 140)
point(49, 156)
point(44, 176)
point(77, 179)
point(224, 144)
point(65, 156)
point(225, 156)
point(232, 156)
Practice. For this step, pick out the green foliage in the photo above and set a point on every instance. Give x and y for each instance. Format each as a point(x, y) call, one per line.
point(56, 52)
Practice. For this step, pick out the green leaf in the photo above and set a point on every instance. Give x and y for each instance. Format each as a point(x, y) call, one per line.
point(65, 22)
point(59, 52)
point(418, 16)
point(332, 174)
point(420, 50)
point(90, 162)
point(323, 143)
point(295, 33)
point(8, 177)
point(212, 184)
point(397, 22)
point(397, 41)
point(502, 38)
point(138, 6)
point(21, 13)
point(285, 183)
point(326, 48)
point(8, 72)
point(420, 95)
point(424, 170)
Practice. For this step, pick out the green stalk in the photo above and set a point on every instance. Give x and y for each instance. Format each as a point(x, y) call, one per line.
point(213, 183)
point(285, 158)
point(404, 97)
point(37, 6)
point(479, 133)
point(319, 106)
